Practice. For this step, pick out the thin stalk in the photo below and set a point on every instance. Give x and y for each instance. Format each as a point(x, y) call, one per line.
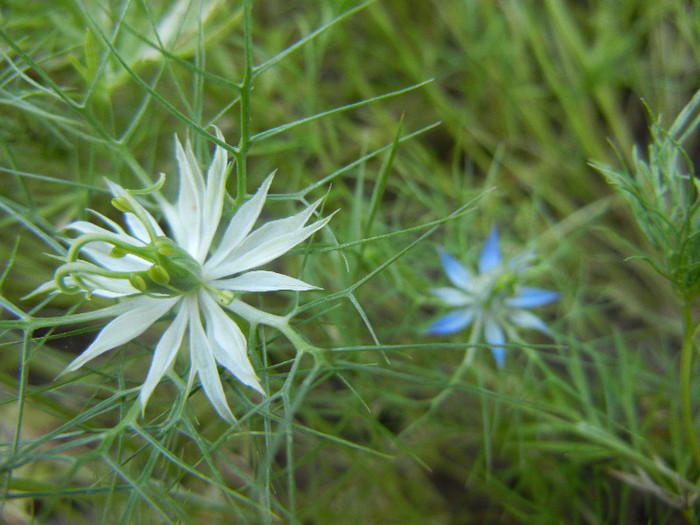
point(466, 363)
point(246, 87)
point(686, 365)
point(21, 395)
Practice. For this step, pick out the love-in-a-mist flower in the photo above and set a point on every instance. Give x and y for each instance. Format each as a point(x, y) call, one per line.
point(153, 274)
point(493, 303)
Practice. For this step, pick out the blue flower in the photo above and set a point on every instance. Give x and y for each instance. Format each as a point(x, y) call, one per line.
point(492, 301)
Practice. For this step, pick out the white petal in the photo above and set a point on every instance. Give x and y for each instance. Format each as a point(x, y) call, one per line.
point(165, 353)
point(143, 313)
point(137, 228)
point(189, 200)
point(241, 223)
point(202, 357)
point(110, 287)
point(261, 281)
point(100, 253)
point(528, 320)
point(88, 273)
point(265, 244)
point(109, 222)
point(247, 312)
point(85, 227)
point(215, 192)
point(176, 227)
point(134, 224)
point(228, 342)
point(451, 296)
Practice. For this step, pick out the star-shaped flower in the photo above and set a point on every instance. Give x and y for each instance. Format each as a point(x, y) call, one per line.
point(492, 301)
point(154, 274)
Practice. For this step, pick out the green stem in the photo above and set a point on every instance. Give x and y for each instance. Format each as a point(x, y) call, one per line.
point(127, 421)
point(255, 316)
point(246, 87)
point(466, 363)
point(21, 392)
point(686, 368)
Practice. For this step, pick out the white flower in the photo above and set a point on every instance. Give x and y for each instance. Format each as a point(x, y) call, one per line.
point(154, 274)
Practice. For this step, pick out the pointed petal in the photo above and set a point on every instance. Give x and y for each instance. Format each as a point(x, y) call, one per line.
point(110, 287)
point(165, 353)
point(214, 199)
point(202, 357)
point(100, 253)
point(451, 323)
point(532, 297)
point(109, 222)
point(451, 296)
point(496, 339)
point(228, 342)
point(137, 228)
point(132, 221)
point(520, 262)
point(267, 243)
point(85, 227)
point(261, 281)
point(528, 320)
point(143, 313)
point(491, 253)
point(189, 200)
point(241, 223)
point(456, 272)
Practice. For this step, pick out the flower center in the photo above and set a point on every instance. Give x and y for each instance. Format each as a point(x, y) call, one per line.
point(498, 286)
point(174, 271)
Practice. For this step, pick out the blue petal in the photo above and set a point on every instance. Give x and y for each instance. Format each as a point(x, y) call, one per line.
point(496, 339)
point(451, 323)
point(491, 253)
point(455, 270)
point(531, 297)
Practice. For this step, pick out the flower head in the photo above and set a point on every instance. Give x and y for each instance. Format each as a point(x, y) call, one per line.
point(492, 301)
point(183, 273)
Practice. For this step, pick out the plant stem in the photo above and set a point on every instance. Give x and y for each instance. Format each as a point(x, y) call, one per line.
point(455, 378)
point(246, 87)
point(685, 373)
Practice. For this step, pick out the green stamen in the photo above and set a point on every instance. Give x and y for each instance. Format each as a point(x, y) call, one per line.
point(138, 282)
point(122, 204)
point(224, 297)
point(158, 274)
